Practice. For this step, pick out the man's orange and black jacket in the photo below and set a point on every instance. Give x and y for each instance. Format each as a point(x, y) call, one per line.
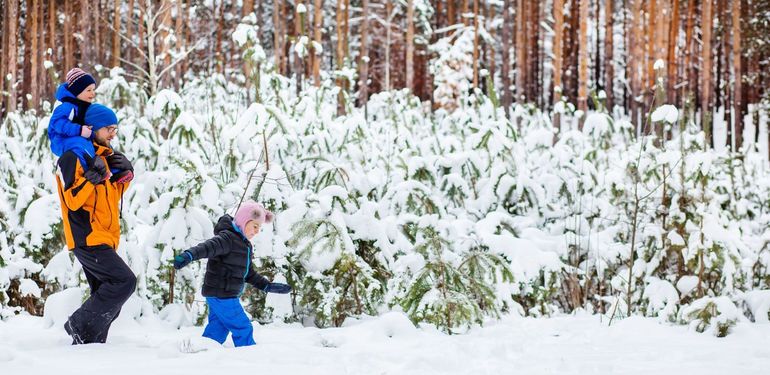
point(90, 212)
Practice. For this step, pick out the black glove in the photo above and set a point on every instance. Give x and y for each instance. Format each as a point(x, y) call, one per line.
point(182, 260)
point(97, 172)
point(121, 168)
point(119, 161)
point(277, 288)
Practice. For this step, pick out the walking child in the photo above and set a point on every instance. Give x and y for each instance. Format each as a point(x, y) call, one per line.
point(229, 268)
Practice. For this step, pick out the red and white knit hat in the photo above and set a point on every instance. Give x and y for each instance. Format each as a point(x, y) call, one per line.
point(78, 80)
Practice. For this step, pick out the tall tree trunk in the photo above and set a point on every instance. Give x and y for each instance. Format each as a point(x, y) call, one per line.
point(248, 8)
point(180, 43)
point(583, 58)
point(652, 44)
point(410, 43)
point(571, 64)
point(3, 52)
point(738, 87)
point(52, 19)
point(450, 13)
point(689, 88)
point(706, 71)
point(475, 41)
point(533, 40)
point(673, 36)
point(558, 34)
point(96, 41)
point(505, 70)
point(342, 11)
point(69, 50)
point(130, 29)
point(317, 28)
point(388, 40)
point(636, 62)
point(490, 47)
point(299, 31)
point(520, 63)
point(609, 68)
point(27, 32)
point(219, 55)
point(363, 61)
point(463, 11)
point(12, 52)
point(277, 36)
point(34, 49)
point(116, 35)
point(85, 41)
point(142, 24)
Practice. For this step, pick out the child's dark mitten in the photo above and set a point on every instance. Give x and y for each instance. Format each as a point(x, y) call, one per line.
point(277, 288)
point(182, 259)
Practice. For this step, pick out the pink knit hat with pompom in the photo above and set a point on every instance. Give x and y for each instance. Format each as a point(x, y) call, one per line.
point(251, 210)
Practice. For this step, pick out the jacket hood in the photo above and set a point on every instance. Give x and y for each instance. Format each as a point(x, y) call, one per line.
point(225, 223)
point(62, 92)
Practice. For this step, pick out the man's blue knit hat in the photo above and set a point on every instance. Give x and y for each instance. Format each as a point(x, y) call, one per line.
point(99, 116)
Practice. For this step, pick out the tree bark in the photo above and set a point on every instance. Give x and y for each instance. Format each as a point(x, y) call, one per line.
point(34, 49)
point(688, 89)
point(520, 63)
point(11, 71)
point(583, 58)
point(299, 31)
point(342, 11)
point(475, 41)
point(248, 8)
point(706, 71)
point(558, 31)
point(490, 47)
point(55, 55)
point(636, 62)
point(115, 34)
point(609, 68)
point(219, 56)
point(738, 73)
point(3, 51)
point(671, 75)
point(363, 62)
point(505, 70)
point(86, 57)
point(277, 40)
point(179, 32)
point(317, 28)
point(410, 43)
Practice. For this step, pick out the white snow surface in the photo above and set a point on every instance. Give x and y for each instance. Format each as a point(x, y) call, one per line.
point(390, 344)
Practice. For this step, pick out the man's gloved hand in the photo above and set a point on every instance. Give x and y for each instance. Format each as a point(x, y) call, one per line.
point(119, 161)
point(97, 172)
point(277, 288)
point(121, 167)
point(182, 259)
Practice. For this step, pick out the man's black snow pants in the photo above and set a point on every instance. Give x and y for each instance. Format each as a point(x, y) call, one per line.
point(111, 282)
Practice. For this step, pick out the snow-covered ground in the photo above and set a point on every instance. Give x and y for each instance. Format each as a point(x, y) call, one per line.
point(389, 344)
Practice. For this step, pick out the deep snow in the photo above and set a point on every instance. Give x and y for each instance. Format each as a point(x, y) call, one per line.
point(389, 344)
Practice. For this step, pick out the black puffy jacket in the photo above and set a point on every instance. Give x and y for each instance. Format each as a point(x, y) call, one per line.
point(230, 265)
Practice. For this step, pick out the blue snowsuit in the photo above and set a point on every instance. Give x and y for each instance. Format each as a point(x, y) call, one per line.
point(64, 126)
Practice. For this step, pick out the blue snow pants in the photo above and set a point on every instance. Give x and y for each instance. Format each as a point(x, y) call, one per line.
point(226, 315)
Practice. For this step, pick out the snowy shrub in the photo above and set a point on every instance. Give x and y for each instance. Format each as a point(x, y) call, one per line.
point(715, 315)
